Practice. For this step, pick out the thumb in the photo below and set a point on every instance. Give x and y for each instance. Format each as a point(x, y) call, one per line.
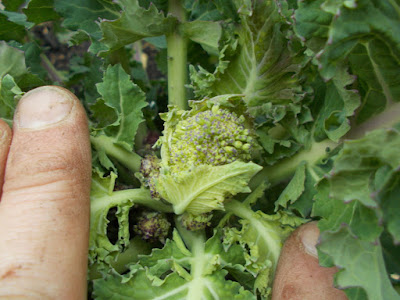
point(44, 210)
point(299, 275)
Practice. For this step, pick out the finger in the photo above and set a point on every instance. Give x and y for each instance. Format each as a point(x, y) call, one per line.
point(44, 212)
point(299, 275)
point(5, 141)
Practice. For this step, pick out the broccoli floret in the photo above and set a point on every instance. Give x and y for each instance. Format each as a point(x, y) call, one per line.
point(215, 137)
point(206, 154)
point(195, 222)
point(150, 170)
point(152, 226)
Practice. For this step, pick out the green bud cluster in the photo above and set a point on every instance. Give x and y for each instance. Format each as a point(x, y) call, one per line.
point(213, 137)
point(152, 226)
point(150, 170)
point(195, 222)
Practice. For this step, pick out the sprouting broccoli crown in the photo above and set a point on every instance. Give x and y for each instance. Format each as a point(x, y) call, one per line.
point(152, 226)
point(150, 170)
point(195, 222)
point(213, 137)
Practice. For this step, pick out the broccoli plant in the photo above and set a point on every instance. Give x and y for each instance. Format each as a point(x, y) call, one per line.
point(267, 114)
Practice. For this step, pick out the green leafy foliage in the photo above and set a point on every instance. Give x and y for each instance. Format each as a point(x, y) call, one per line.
point(364, 33)
point(134, 24)
point(176, 272)
point(39, 11)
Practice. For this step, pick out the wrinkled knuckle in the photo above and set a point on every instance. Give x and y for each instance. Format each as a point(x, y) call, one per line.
point(44, 169)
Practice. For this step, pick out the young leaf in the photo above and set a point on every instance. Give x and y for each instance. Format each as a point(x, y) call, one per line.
point(126, 100)
point(205, 187)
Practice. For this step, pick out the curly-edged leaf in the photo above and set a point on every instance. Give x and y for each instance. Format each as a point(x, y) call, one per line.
point(261, 237)
point(101, 201)
point(205, 187)
point(339, 103)
point(264, 63)
point(361, 265)
point(361, 187)
point(174, 272)
point(364, 33)
point(119, 112)
point(85, 23)
point(135, 23)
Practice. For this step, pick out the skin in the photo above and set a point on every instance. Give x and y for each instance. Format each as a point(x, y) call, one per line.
point(299, 275)
point(44, 208)
point(45, 173)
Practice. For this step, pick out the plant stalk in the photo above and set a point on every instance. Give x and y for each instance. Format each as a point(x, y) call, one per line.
point(54, 74)
point(177, 58)
point(129, 159)
point(284, 169)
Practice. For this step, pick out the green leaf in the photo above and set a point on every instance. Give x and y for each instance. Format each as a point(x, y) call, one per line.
point(86, 21)
point(174, 272)
point(206, 33)
point(39, 11)
point(365, 34)
point(205, 187)
point(363, 222)
point(102, 199)
point(261, 236)
point(9, 94)
point(294, 189)
point(12, 61)
point(123, 97)
point(264, 66)
point(339, 104)
point(13, 5)
point(135, 24)
point(17, 18)
point(9, 30)
point(361, 263)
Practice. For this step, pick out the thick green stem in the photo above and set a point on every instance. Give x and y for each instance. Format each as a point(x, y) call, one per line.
point(286, 167)
point(177, 59)
point(129, 159)
point(54, 74)
point(137, 196)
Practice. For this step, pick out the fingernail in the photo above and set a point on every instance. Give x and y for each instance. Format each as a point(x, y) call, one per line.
point(42, 107)
point(309, 238)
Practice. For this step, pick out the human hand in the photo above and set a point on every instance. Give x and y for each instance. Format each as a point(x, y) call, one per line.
point(44, 208)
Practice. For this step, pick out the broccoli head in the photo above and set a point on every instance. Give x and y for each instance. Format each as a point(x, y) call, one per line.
point(149, 172)
point(212, 137)
point(206, 154)
point(152, 226)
